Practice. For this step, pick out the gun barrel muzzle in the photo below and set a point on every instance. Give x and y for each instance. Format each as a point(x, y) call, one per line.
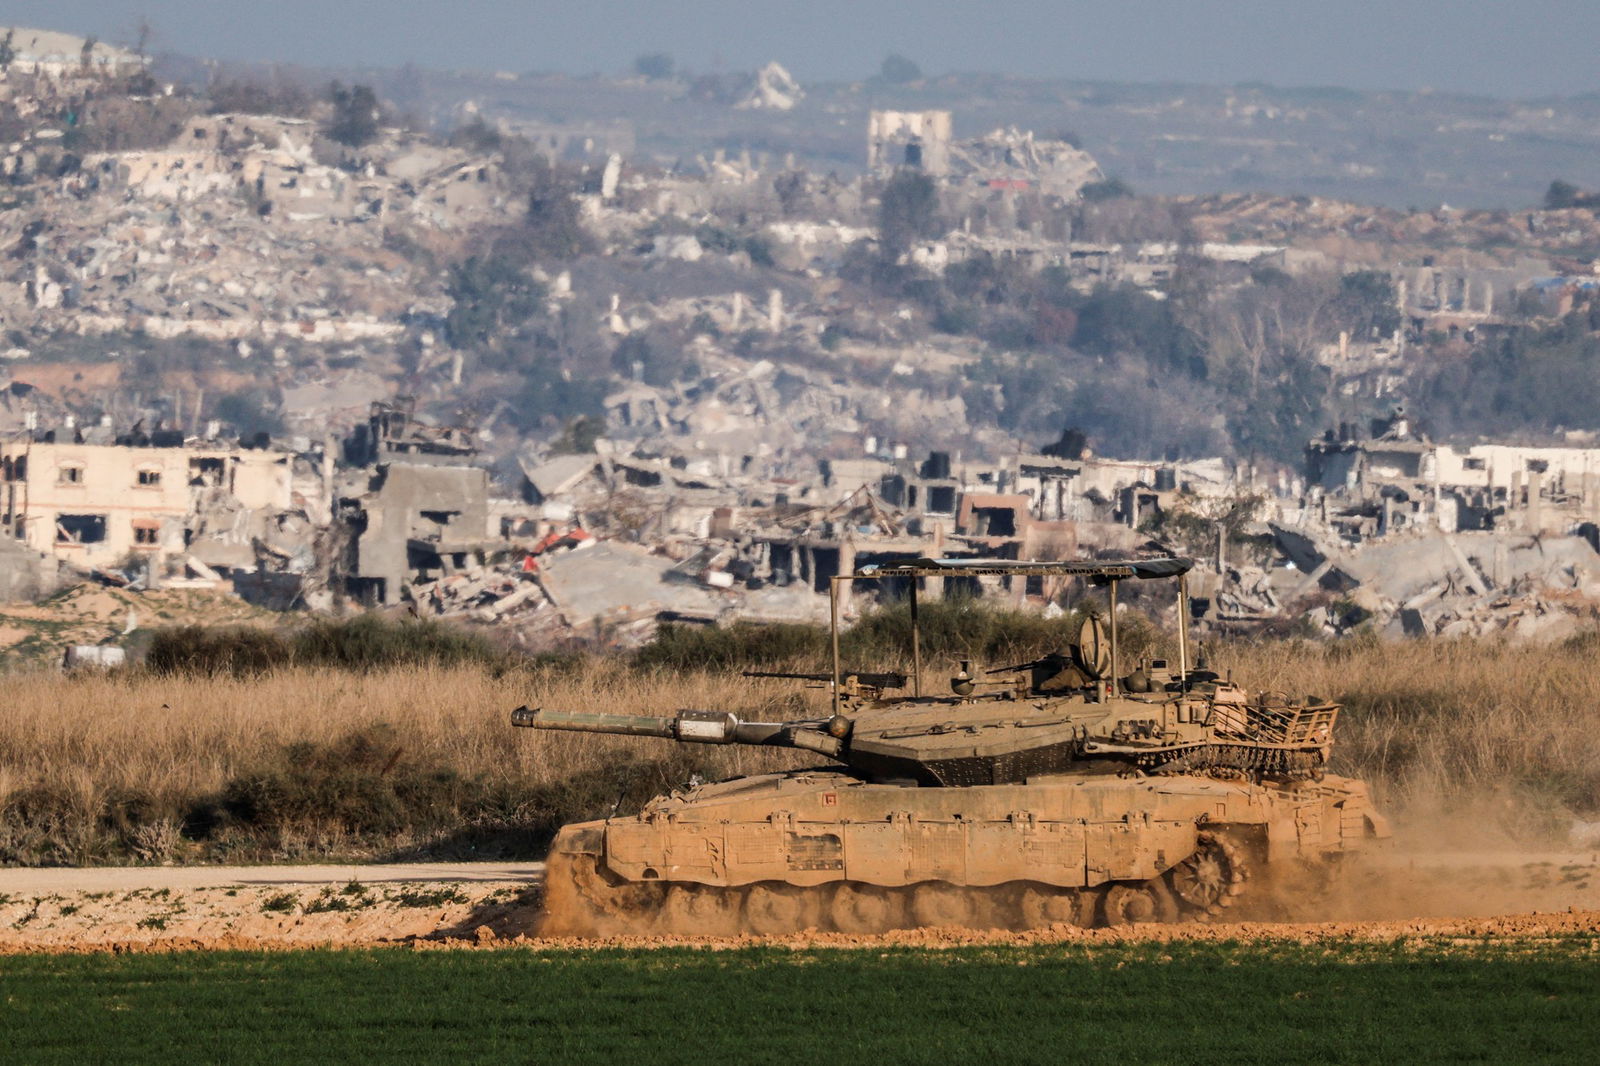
point(639, 725)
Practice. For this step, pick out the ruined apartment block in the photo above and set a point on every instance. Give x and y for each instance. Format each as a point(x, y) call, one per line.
point(1396, 480)
point(94, 504)
point(919, 139)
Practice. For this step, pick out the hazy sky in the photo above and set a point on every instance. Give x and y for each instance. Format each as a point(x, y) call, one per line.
point(1497, 47)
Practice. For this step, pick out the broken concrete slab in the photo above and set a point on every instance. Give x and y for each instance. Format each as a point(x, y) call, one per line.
point(613, 582)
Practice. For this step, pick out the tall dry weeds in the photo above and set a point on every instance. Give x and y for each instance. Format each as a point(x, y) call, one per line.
point(84, 761)
point(1499, 740)
point(1479, 739)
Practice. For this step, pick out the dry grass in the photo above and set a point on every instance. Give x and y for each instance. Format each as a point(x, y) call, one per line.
point(309, 762)
point(85, 761)
point(1481, 738)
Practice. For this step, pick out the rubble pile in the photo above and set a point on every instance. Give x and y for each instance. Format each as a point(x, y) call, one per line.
point(1010, 155)
point(226, 235)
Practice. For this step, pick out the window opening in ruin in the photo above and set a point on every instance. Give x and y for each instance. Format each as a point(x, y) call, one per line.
point(1538, 466)
point(1473, 464)
point(997, 522)
point(146, 535)
point(149, 478)
point(826, 563)
point(914, 154)
point(442, 518)
point(206, 472)
point(71, 475)
point(941, 499)
point(80, 528)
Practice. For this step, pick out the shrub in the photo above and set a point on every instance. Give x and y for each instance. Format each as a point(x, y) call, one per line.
point(365, 642)
point(955, 628)
point(237, 651)
point(372, 642)
point(740, 646)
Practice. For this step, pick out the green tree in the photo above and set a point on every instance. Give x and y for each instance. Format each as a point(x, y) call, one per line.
point(1110, 189)
point(477, 136)
point(898, 70)
point(656, 65)
point(908, 211)
point(1367, 304)
point(355, 115)
point(579, 437)
point(489, 295)
point(1561, 195)
point(549, 393)
point(552, 225)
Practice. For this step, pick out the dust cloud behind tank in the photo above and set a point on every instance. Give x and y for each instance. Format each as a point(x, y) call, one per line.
point(1056, 790)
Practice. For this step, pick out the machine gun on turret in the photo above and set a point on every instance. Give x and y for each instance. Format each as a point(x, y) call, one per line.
point(862, 684)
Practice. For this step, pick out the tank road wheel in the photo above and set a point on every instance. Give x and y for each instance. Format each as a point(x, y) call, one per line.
point(862, 909)
point(936, 903)
point(1212, 877)
point(700, 910)
point(1139, 904)
point(1042, 906)
point(772, 909)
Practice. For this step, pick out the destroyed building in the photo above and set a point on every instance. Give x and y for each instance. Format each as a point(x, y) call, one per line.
point(421, 509)
point(1005, 159)
point(1366, 486)
point(917, 139)
point(53, 57)
point(95, 503)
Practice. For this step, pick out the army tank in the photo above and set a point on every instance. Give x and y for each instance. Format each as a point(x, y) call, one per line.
point(1055, 790)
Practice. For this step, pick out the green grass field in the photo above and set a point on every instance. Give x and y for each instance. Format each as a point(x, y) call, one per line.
point(1181, 1003)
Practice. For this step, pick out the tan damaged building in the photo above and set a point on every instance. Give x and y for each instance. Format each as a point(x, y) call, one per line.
point(93, 504)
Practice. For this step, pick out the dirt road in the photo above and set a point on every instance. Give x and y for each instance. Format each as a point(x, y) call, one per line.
point(34, 882)
point(1398, 895)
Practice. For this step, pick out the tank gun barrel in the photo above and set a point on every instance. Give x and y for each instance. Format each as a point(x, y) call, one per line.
point(693, 727)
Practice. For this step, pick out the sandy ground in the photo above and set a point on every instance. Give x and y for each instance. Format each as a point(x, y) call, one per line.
point(174, 908)
point(95, 614)
point(1396, 896)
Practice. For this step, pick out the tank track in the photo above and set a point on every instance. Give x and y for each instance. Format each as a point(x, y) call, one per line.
point(1280, 763)
point(581, 900)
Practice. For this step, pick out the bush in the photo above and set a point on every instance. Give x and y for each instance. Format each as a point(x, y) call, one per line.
point(366, 642)
point(358, 786)
point(372, 642)
point(237, 651)
point(740, 646)
point(355, 115)
point(363, 790)
point(952, 629)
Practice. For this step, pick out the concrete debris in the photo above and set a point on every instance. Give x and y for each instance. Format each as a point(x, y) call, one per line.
point(93, 657)
point(774, 90)
point(614, 582)
point(223, 235)
point(767, 423)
